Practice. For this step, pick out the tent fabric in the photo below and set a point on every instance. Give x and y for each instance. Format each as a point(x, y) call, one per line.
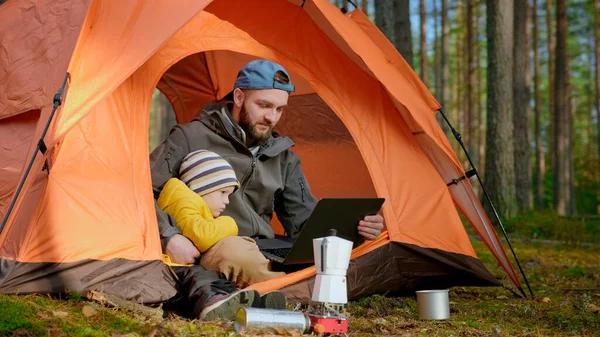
point(37, 43)
point(398, 269)
point(139, 281)
point(363, 124)
point(463, 194)
point(36, 39)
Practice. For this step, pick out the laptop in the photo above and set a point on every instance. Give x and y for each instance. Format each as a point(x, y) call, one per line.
point(341, 214)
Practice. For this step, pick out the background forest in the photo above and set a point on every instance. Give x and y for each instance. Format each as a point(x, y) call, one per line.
point(519, 80)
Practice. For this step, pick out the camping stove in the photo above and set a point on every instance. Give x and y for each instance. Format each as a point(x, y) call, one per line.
point(327, 312)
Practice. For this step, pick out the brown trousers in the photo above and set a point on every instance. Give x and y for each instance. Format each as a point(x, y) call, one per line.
point(239, 260)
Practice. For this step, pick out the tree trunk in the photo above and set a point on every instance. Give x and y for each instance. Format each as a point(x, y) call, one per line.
point(154, 127)
point(500, 180)
point(481, 83)
point(471, 79)
point(402, 31)
point(458, 81)
point(444, 94)
point(588, 156)
point(570, 152)
point(540, 162)
point(562, 110)
point(365, 7)
point(521, 97)
point(423, 44)
point(551, 94)
point(384, 18)
point(436, 51)
point(345, 7)
point(167, 117)
point(597, 71)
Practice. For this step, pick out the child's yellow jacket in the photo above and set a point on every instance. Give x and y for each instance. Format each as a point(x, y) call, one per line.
point(193, 217)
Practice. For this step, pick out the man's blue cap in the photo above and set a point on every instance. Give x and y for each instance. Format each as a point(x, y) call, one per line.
point(260, 74)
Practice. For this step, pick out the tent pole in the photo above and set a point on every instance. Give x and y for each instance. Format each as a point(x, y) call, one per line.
point(459, 139)
point(41, 147)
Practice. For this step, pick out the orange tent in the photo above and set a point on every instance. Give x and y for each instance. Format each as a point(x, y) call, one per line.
point(363, 123)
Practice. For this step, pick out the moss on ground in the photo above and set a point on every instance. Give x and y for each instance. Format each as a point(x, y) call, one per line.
point(564, 277)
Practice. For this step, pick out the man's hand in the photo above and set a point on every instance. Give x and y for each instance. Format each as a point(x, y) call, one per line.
point(249, 239)
point(371, 226)
point(181, 250)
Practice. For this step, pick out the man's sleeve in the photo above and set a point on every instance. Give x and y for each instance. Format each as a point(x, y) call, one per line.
point(164, 165)
point(166, 227)
point(166, 159)
point(295, 203)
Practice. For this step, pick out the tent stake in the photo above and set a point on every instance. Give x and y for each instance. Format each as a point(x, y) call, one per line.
point(41, 147)
point(459, 139)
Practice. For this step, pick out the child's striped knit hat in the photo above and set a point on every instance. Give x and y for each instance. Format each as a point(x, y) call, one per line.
point(205, 172)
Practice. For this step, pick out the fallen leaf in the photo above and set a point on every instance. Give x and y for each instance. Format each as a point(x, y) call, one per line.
point(594, 308)
point(42, 315)
point(495, 333)
point(546, 299)
point(89, 311)
point(502, 297)
point(381, 321)
point(452, 303)
point(424, 330)
point(20, 332)
point(60, 314)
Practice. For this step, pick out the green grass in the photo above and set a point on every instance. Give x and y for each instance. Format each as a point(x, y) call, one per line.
point(549, 226)
point(565, 278)
point(39, 315)
point(566, 282)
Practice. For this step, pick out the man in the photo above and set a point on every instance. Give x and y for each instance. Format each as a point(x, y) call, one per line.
point(271, 177)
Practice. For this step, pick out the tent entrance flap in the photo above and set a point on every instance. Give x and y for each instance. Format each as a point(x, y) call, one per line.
point(330, 157)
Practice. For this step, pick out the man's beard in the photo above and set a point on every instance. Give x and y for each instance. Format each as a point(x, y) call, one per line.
point(253, 135)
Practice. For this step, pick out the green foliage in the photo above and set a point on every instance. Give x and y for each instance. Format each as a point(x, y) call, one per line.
point(74, 297)
point(379, 306)
point(576, 271)
point(16, 316)
point(549, 226)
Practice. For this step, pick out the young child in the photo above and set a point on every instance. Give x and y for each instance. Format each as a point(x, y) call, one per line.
point(197, 199)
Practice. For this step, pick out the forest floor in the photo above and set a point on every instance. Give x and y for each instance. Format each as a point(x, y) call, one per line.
point(564, 275)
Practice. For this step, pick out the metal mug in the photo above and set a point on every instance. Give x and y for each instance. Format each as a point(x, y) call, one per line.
point(433, 304)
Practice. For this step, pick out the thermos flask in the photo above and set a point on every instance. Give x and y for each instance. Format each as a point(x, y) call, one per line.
point(255, 318)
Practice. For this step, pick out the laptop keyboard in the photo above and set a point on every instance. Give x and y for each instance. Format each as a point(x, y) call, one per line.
point(281, 252)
